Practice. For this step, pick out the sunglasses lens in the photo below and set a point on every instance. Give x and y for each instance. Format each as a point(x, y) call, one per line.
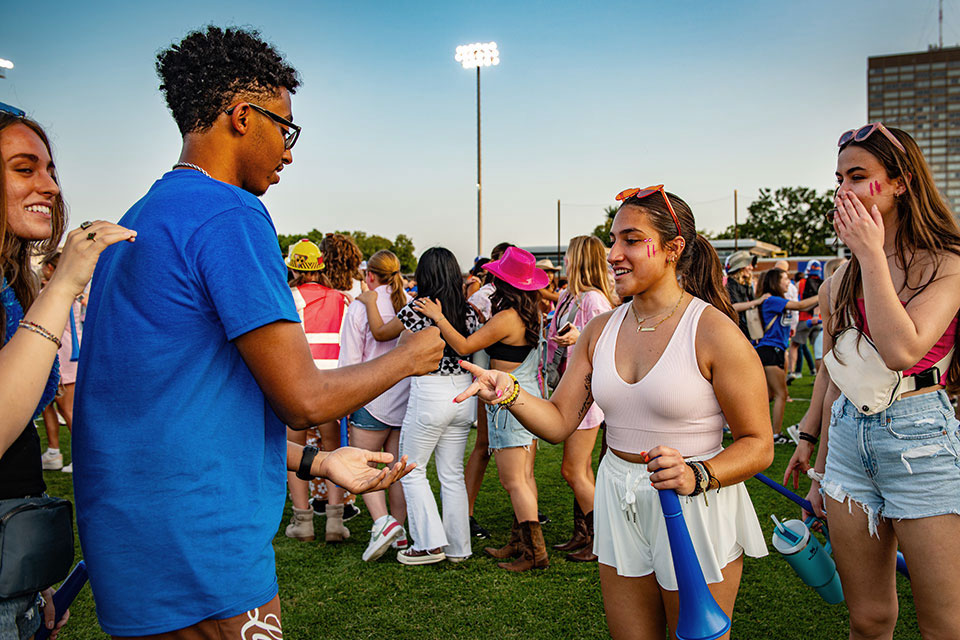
point(640, 195)
point(845, 138)
point(864, 132)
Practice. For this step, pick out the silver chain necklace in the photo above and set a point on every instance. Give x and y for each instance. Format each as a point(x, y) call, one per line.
point(188, 165)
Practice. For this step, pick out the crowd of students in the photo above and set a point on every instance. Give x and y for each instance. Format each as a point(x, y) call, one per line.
point(203, 394)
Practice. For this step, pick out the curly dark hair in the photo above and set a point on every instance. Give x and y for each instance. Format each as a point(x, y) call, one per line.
point(526, 303)
point(341, 261)
point(205, 72)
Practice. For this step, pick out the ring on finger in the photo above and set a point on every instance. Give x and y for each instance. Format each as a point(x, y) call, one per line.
point(92, 236)
point(86, 224)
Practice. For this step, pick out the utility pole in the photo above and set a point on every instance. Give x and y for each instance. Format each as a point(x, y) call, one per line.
point(736, 230)
point(479, 181)
point(559, 257)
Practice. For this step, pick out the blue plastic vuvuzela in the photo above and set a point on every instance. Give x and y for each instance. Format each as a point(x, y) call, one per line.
point(700, 617)
point(63, 597)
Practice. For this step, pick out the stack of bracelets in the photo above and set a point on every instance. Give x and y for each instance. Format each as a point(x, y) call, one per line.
point(511, 398)
point(33, 326)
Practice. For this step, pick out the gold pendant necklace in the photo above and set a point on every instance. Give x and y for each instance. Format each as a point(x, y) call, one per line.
point(640, 320)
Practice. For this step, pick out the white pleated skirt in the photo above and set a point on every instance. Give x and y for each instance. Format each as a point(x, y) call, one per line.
point(631, 534)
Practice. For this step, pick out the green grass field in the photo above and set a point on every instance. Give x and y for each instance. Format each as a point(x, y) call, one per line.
point(328, 592)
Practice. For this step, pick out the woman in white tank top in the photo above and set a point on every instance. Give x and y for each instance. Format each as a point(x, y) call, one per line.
point(666, 369)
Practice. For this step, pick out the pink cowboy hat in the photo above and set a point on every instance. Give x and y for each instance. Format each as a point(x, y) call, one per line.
point(518, 268)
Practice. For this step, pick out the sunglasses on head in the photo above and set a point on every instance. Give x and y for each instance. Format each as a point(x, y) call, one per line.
point(640, 194)
point(864, 132)
point(12, 110)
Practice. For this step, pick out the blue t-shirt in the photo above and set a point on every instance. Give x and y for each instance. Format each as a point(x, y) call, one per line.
point(180, 463)
point(778, 335)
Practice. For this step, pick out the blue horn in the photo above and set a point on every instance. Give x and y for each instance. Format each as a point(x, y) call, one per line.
point(700, 617)
point(63, 596)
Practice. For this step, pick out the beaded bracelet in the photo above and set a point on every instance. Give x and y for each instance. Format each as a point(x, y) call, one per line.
point(697, 476)
point(33, 326)
point(507, 402)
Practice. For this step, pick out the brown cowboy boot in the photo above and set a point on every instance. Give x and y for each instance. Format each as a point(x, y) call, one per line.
point(512, 548)
point(579, 538)
point(586, 554)
point(534, 549)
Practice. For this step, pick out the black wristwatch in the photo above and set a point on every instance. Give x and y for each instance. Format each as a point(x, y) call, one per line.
point(309, 453)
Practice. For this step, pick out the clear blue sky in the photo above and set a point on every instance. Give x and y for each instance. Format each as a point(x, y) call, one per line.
point(589, 98)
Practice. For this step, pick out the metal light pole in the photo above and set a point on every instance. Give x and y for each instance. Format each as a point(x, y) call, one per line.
point(478, 54)
point(4, 65)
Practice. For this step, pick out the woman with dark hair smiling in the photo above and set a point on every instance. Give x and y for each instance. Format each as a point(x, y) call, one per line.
point(665, 369)
point(32, 219)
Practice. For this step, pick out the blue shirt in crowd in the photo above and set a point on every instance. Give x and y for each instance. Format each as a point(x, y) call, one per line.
point(778, 335)
point(179, 461)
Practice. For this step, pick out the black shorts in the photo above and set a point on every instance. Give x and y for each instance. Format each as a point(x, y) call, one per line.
point(770, 356)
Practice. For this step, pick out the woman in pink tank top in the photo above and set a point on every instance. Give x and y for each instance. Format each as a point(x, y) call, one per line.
point(900, 465)
point(665, 369)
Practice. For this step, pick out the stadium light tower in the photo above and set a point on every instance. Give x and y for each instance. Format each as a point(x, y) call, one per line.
point(478, 54)
point(4, 65)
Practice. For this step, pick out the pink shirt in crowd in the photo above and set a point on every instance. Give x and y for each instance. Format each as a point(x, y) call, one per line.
point(358, 345)
point(592, 304)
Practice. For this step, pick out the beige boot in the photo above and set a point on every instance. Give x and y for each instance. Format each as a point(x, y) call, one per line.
point(301, 525)
point(336, 531)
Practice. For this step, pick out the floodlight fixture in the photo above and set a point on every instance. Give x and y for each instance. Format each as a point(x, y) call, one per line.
point(474, 56)
point(478, 54)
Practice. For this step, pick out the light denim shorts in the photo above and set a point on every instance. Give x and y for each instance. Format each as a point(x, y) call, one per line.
point(363, 419)
point(20, 617)
point(901, 463)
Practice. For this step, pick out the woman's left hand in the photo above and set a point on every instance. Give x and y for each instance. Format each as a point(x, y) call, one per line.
point(50, 614)
point(430, 308)
point(568, 337)
point(859, 229)
point(669, 471)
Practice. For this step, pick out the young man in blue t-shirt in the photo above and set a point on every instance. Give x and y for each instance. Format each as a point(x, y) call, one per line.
point(194, 360)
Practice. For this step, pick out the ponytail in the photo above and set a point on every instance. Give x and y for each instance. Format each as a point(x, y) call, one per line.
point(703, 277)
point(386, 266)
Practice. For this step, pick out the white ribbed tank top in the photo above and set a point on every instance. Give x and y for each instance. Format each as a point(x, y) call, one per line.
point(672, 405)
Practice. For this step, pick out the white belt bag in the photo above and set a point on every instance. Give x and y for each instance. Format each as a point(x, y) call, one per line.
point(864, 378)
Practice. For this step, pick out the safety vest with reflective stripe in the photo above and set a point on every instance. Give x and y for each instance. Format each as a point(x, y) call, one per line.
point(321, 310)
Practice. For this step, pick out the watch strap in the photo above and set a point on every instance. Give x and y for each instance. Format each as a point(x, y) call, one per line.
point(306, 462)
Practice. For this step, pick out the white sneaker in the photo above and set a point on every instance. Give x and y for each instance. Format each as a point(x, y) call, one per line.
point(68, 468)
point(401, 542)
point(51, 461)
point(426, 556)
point(794, 432)
point(381, 537)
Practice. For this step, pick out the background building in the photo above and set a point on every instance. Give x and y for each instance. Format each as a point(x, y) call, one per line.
point(920, 93)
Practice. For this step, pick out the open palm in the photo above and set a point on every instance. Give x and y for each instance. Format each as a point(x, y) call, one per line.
point(350, 468)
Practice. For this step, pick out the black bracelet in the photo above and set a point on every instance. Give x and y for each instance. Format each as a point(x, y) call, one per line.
point(808, 437)
point(697, 478)
point(309, 453)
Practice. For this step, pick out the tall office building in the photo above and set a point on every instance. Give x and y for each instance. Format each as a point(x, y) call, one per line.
point(920, 93)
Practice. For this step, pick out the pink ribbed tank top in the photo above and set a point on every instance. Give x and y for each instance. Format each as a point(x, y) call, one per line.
point(673, 405)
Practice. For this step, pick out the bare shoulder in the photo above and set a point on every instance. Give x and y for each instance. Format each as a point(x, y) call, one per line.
point(593, 329)
point(720, 342)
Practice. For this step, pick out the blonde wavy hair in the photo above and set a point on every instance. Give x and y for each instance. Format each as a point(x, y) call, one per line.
point(587, 268)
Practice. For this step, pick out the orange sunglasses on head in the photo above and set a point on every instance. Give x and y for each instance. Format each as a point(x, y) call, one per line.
point(640, 194)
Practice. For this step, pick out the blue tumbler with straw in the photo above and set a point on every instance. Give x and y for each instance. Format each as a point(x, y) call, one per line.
point(810, 560)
